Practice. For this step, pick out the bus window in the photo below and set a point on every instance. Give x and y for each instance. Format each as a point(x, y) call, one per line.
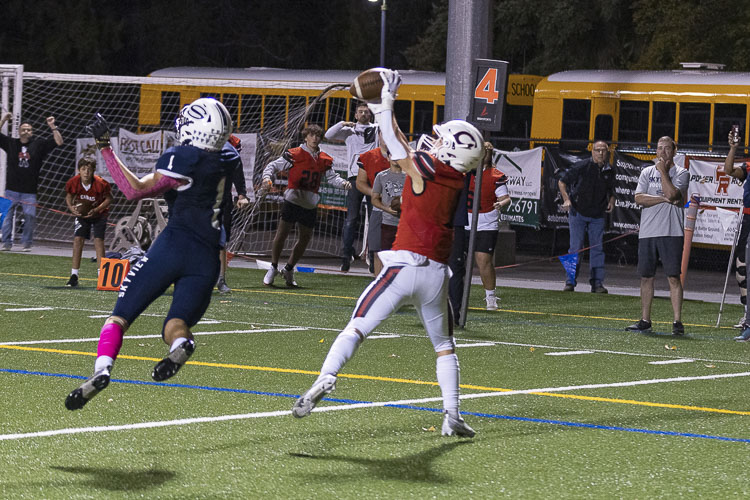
point(726, 115)
point(440, 114)
point(402, 110)
point(231, 102)
point(212, 95)
point(603, 128)
point(633, 125)
point(250, 115)
point(695, 120)
point(170, 108)
point(575, 119)
point(274, 112)
point(336, 110)
point(317, 113)
point(662, 120)
point(422, 117)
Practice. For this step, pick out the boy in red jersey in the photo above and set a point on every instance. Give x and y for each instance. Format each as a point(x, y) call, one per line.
point(371, 164)
point(87, 190)
point(305, 167)
point(415, 271)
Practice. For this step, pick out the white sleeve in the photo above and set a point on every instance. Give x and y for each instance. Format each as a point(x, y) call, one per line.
point(395, 147)
point(278, 165)
point(338, 132)
point(335, 179)
point(501, 191)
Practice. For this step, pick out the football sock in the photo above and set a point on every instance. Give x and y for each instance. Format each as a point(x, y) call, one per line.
point(177, 343)
point(288, 267)
point(342, 350)
point(489, 293)
point(447, 377)
point(103, 362)
point(275, 265)
point(110, 340)
point(74, 272)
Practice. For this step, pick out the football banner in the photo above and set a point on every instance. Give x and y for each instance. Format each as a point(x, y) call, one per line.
point(716, 189)
point(524, 172)
point(139, 151)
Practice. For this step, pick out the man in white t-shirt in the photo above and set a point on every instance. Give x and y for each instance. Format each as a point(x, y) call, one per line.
point(662, 191)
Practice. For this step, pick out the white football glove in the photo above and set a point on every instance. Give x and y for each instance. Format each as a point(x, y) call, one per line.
point(391, 83)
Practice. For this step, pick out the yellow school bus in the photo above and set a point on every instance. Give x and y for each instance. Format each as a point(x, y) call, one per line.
point(252, 95)
point(696, 107)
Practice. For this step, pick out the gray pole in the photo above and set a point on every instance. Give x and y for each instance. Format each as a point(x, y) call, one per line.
point(469, 38)
point(383, 9)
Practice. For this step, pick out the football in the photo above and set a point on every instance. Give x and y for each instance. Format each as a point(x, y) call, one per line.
point(367, 85)
point(396, 204)
point(83, 206)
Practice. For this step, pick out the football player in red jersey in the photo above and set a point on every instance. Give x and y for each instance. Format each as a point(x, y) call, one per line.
point(415, 271)
point(96, 192)
point(305, 167)
point(371, 164)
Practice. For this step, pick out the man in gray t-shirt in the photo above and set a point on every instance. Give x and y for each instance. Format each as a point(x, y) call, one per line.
point(386, 195)
point(662, 191)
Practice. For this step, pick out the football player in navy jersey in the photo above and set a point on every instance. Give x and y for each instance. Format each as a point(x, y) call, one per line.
point(192, 177)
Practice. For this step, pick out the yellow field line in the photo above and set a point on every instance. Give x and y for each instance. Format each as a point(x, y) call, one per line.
point(397, 380)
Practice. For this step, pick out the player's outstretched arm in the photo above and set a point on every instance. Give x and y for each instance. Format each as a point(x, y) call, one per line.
point(131, 186)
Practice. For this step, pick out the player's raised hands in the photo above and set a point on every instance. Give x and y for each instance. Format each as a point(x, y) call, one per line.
point(99, 130)
point(391, 82)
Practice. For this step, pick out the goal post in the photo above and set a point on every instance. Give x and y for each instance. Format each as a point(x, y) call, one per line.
point(11, 100)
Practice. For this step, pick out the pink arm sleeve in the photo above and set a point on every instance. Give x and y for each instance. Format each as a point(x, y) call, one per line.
point(163, 185)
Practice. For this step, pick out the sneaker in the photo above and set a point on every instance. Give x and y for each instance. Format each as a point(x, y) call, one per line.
point(169, 366)
point(305, 404)
point(73, 281)
point(677, 328)
point(346, 263)
point(599, 289)
point(642, 326)
point(26, 249)
point(741, 324)
point(569, 288)
point(6, 248)
point(289, 277)
point(744, 336)
point(491, 302)
point(270, 275)
point(455, 426)
point(87, 390)
point(222, 285)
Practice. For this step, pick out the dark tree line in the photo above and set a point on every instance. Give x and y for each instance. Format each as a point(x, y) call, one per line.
point(540, 37)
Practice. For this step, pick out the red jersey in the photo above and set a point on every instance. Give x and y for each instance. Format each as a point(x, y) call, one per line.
point(373, 162)
point(99, 191)
point(306, 172)
point(426, 223)
point(492, 179)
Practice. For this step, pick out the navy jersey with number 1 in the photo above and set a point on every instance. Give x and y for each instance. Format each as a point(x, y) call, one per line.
point(186, 253)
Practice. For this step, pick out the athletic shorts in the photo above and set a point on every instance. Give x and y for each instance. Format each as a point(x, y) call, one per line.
point(294, 213)
point(373, 231)
point(485, 241)
point(387, 236)
point(83, 227)
point(667, 249)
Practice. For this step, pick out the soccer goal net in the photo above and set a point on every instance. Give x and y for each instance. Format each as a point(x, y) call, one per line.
point(271, 118)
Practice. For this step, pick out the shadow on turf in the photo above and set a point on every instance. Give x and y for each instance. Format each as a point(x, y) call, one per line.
point(414, 468)
point(113, 479)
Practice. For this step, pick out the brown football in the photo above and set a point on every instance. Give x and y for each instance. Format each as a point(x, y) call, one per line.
point(367, 85)
point(84, 206)
point(396, 204)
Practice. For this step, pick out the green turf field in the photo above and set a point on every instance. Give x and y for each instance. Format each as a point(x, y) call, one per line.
point(565, 402)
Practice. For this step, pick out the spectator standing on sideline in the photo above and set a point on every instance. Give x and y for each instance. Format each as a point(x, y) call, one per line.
point(305, 166)
point(87, 189)
point(743, 243)
point(662, 191)
point(415, 271)
point(191, 176)
point(238, 180)
point(588, 192)
point(360, 136)
point(494, 197)
point(25, 157)
point(370, 165)
point(386, 195)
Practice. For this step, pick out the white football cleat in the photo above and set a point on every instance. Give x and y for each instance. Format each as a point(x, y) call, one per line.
point(270, 275)
point(455, 426)
point(289, 277)
point(491, 302)
point(305, 404)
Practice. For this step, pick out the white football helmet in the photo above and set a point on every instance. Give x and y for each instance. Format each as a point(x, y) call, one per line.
point(204, 123)
point(459, 145)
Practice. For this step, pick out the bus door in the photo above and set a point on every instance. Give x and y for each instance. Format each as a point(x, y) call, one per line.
point(604, 108)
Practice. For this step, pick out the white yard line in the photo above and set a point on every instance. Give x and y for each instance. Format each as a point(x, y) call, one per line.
point(567, 353)
point(23, 309)
point(354, 406)
point(477, 344)
point(672, 361)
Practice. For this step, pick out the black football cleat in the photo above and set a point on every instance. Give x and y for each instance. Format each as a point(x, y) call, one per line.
point(169, 366)
point(87, 390)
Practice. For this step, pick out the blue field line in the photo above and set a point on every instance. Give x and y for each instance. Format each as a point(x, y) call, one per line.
point(401, 406)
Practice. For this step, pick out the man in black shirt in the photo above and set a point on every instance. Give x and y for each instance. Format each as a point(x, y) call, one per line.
point(25, 157)
point(587, 189)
